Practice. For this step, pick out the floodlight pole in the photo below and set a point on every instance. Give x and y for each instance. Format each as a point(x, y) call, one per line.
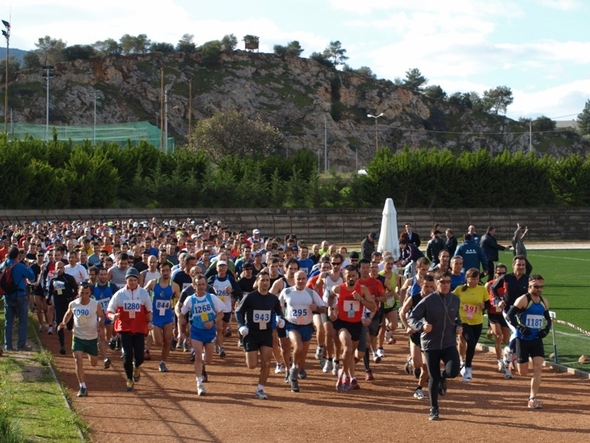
point(6, 34)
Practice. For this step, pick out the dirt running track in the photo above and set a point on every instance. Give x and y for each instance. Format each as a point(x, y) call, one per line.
point(165, 408)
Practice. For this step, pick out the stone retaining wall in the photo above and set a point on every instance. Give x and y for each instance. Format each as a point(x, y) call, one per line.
point(347, 225)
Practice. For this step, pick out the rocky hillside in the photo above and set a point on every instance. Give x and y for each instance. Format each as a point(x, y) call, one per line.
point(299, 96)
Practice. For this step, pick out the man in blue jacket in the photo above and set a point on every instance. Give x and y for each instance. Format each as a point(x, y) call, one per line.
point(15, 304)
point(472, 254)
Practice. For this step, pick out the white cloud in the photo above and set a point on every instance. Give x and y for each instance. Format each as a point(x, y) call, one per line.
point(553, 102)
point(564, 5)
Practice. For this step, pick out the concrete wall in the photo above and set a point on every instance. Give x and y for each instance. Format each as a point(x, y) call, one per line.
point(347, 225)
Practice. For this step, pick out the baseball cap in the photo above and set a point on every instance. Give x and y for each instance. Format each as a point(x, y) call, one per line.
point(221, 263)
point(68, 233)
point(373, 235)
point(256, 231)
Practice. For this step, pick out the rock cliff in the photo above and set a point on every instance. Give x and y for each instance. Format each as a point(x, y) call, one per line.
point(303, 98)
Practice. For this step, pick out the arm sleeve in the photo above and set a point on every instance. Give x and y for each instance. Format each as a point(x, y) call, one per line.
point(512, 316)
point(240, 317)
point(497, 284)
point(416, 317)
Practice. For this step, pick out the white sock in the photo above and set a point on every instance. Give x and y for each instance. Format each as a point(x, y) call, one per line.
point(83, 385)
point(260, 387)
point(199, 380)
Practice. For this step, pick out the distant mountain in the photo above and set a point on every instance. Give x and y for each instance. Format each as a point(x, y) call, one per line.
point(18, 53)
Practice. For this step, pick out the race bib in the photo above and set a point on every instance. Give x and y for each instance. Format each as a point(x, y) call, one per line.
point(534, 321)
point(131, 307)
point(352, 305)
point(82, 315)
point(390, 303)
point(104, 304)
point(299, 315)
point(470, 310)
point(261, 317)
point(162, 306)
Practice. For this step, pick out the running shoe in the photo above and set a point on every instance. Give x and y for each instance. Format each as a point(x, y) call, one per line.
point(162, 367)
point(328, 365)
point(222, 352)
point(293, 380)
point(319, 352)
point(408, 365)
point(192, 357)
point(388, 335)
point(173, 344)
point(83, 392)
point(335, 368)
point(339, 383)
point(50, 330)
point(216, 347)
point(118, 344)
point(302, 374)
point(501, 366)
point(279, 368)
point(466, 373)
point(107, 363)
point(186, 346)
point(62, 350)
point(433, 414)
point(201, 389)
point(419, 394)
point(369, 376)
point(461, 363)
point(129, 386)
point(204, 375)
point(227, 332)
point(287, 375)
point(146, 355)
point(534, 403)
point(136, 374)
point(380, 352)
point(179, 346)
point(354, 384)
point(112, 344)
point(346, 384)
point(260, 394)
point(507, 373)
point(442, 386)
point(376, 357)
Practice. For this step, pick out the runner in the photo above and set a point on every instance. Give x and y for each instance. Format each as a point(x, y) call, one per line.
point(300, 303)
point(131, 310)
point(226, 289)
point(62, 290)
point(205, 311)
point(437, 317)
point(255, 315)
point(163, 291)
point(427, 287)
point(498, 325)
point(527, 316)
point(102, 292)
point(473, 297)
point(87, 315)
point(348, 318)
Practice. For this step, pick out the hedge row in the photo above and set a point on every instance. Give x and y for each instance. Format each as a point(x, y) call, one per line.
point(57, 174)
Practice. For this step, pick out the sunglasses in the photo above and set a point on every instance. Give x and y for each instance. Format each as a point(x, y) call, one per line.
point(445, 282)
point(336, 263)
point(538, 286)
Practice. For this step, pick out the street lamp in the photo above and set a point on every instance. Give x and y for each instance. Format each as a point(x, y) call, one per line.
point(6, 33)
point(47, 74)
point(376, 130)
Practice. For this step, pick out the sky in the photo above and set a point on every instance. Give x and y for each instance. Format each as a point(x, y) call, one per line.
point(538, 48)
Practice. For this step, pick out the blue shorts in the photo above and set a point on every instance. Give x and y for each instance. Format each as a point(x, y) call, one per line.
point(306, 331)
point(160, 322)
point(205, 336)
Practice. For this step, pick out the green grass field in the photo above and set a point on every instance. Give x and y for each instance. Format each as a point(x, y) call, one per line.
point(567, 291)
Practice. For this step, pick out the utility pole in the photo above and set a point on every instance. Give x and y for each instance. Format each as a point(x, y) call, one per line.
point(190, 110)
point(325, 144)
point(161, 109)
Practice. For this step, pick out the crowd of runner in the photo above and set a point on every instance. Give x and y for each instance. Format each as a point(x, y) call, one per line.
point(148, 287)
